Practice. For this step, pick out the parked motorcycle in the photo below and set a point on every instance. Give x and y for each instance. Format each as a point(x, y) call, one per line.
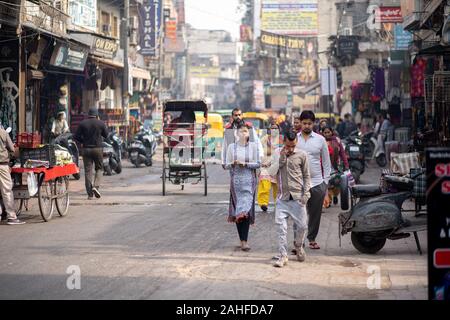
point(355, 154)
point(142, 148)
point(66, 141)
point(115, 160)
point(112, 158)
point(376, 216)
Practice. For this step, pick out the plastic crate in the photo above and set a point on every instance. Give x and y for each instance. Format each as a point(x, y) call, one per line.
point(46, 153)
point(29, 140)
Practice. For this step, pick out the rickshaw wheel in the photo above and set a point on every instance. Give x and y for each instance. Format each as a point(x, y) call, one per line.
point(45, 200)
point(63, 202)
point(206, 179)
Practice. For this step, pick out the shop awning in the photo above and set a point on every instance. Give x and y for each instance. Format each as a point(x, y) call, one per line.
point(429, 10)
point(141, 73)
point(108, 62)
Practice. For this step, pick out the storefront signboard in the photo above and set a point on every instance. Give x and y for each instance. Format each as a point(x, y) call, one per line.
point(69, 57)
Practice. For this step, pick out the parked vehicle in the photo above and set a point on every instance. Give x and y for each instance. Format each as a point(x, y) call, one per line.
point(66, 141)
point(356, 159)
point(142, 148)
point(112, 154)
point(376, 215)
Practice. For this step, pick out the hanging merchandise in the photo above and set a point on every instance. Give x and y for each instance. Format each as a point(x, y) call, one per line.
point(418, 78)
point(108, 79)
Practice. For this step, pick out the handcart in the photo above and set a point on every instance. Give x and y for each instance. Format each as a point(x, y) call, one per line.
point(53, 188)
point(184, 144)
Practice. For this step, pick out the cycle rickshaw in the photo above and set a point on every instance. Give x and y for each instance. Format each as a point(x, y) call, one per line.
point(184, 143)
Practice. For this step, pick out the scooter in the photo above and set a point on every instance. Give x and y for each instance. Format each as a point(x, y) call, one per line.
point(66, 141)
point(142, 149)
point(356, 158)
point(376, 216)
point(379, 153)
point(111, 160)
point(115, 160)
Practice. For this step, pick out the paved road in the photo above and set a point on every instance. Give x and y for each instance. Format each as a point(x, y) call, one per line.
point(135, 244)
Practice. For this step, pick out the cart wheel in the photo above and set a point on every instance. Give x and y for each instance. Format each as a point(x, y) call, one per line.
point(206, 179)
point(45, 200)
point(63, 200)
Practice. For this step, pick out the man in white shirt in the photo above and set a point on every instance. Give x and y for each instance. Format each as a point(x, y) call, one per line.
point(316, 147)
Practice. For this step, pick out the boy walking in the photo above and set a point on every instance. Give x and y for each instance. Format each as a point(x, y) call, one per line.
point(294, 183)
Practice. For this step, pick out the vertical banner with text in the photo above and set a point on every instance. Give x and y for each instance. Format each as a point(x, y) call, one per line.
point(150, 27)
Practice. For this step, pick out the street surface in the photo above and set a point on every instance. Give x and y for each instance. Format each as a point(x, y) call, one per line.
point(135, 244)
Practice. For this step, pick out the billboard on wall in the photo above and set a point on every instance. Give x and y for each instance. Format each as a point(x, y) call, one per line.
point(150, 25)
point(294, 17)
point(204, 72)
point(84, 13)
point(259, 102)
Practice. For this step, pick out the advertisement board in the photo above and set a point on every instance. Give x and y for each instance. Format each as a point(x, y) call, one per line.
point(150, 25)
point(293, 17)
point(84, 13)
point(259, 102)
point(402, 38)
point(438, 198)
point(204, 72)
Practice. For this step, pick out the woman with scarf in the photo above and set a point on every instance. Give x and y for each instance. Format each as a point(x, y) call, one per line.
point(339, 163)
point(243, 159)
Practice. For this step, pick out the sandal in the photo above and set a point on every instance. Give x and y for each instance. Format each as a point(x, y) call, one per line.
point(314, 246)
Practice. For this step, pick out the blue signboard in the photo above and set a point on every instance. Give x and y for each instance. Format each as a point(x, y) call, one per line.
point(150, 25)
point(402, 38)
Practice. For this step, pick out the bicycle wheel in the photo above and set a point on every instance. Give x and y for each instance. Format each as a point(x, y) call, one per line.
point(45, 200)
point(63, 200)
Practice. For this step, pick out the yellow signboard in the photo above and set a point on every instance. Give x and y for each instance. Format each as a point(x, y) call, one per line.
point(204, 72)
point(294, 17)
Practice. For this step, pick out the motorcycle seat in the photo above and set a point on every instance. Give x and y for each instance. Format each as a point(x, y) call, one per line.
point(370, 190)
point(400, 183)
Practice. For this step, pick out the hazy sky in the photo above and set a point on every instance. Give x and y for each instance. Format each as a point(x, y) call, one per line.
point(214, 15)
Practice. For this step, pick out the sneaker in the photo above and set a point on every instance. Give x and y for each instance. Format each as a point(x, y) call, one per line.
point(96, 193)
point(13, 222)
point(281, 262)
point(90, 198)
point(301, 254)
point(264, 208)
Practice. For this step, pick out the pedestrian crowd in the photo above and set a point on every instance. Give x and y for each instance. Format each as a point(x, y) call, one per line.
point(293, 162)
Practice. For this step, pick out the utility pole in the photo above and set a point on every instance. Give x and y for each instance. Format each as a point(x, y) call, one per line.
point(126, 67)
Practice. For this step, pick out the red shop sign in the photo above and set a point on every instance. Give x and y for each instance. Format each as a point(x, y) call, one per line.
point(389, 15)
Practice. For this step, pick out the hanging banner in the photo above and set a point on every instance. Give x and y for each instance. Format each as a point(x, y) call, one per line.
point(150, 18)
point(294, 17)
point(291, 48)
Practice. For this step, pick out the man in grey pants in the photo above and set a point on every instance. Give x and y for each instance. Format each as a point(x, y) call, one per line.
point(294, 183)
point(90, 134)
point(316, 147)
point(6, 184)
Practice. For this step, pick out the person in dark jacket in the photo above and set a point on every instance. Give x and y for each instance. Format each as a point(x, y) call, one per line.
point(90, 134)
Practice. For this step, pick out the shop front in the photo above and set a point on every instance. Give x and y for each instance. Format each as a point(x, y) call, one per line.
point(103, 87)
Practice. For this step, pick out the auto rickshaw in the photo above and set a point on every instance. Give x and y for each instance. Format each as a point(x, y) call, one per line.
point(259, 120)
point(226, 115)
point(215, 133)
